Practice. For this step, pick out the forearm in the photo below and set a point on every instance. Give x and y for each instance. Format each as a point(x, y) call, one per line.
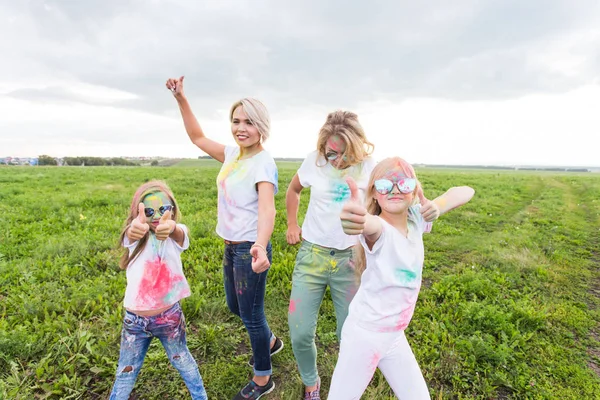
point(192, 127)
point(266, 224)
point(372, 229)
point(453, 198)
point(292, 203)
point(178, 235)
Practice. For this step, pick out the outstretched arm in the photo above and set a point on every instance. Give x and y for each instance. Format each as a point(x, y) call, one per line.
point(192, 127)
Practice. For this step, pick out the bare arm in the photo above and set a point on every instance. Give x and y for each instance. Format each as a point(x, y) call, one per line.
point(192, 127)
point(454, 198)
point(266, 212)
point(292, 202)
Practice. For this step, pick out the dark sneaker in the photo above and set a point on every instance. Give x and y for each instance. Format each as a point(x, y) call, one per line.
point(254, 391)
point(315, 394)
point(277, 347)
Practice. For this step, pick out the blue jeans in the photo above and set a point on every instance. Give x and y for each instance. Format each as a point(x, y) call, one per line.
point(137, 333)
point(245, 293)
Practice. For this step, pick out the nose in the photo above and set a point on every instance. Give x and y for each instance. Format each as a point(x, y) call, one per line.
point(395, 189)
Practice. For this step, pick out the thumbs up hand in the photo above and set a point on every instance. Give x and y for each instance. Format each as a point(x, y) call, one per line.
point(138, 227)
point(354, 214)
point(165, 226)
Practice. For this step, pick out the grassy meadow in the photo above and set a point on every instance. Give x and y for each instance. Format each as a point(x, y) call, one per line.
point(509, 308)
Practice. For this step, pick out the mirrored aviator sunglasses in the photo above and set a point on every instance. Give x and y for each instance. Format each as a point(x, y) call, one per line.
point(161, 210)
point(405, 186)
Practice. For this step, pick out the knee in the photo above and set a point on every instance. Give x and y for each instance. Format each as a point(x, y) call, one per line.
point(301, 334)
point(183, 361)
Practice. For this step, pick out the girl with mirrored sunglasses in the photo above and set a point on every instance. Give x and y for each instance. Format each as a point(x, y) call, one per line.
point(390, 261)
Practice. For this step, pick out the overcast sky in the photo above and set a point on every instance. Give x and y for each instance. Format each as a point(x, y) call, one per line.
point(458, 82)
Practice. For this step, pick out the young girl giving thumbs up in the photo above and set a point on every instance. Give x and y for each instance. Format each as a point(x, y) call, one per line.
point(391, 254)
point(153, 244)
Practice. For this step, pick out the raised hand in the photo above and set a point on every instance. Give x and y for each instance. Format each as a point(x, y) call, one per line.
point(260, 261)
point(429, 209)
point(138, 227)
point(175, 86)
point(353, 214)
point(165, 226)
point(294, 234)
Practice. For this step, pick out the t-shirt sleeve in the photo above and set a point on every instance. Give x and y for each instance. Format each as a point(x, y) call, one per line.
point(415, 215)
point(186, 239)
point(266, 171)
point(307, 170)
point(129, 245)
point(379, 243)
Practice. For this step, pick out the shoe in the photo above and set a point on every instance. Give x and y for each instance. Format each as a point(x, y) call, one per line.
point(277, 347)
point(315, 394)
point(254, 391)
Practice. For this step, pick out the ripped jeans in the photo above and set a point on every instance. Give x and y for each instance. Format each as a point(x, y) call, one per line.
point(137, 333)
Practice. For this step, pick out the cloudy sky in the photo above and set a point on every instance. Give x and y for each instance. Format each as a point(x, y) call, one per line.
point(458, 82)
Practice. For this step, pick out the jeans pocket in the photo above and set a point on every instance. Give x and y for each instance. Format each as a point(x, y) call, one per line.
point(242, 250)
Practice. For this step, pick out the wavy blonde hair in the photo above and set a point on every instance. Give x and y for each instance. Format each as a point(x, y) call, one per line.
point(373, 206)
point(141, 192)
point(345, 125)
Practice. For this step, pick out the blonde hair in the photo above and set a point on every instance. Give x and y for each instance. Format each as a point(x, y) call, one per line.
point(373, 206)
point(141, 192)
point(345, 125)
point(257, 113)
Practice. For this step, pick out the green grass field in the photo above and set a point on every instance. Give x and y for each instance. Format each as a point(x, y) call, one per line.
point(509, 307)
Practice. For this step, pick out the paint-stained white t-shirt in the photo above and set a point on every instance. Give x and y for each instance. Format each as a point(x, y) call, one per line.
point(155, 278)
point(390, 285)
point(328, 194)
point(238, 195)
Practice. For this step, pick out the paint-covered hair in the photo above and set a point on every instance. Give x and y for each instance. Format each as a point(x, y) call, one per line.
point(373, 207)
point(144, 190)
point(257, 113)
point(345, 125)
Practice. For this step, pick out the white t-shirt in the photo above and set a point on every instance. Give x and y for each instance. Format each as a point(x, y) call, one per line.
point(238, 195)
point(386, 298)
point(155, 278)
point(328, 193)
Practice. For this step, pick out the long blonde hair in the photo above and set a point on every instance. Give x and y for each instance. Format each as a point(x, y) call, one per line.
point(345, 125)
point(141, 192)
point(373, 206)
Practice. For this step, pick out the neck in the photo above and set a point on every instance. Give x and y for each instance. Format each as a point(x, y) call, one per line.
point(246, 152)
point(398, 221)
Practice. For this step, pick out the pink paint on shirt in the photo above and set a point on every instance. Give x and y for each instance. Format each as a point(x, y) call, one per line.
point(156, 284)
point(374, 362)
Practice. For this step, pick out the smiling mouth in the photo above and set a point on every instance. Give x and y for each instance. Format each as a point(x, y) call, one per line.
point(242, 137)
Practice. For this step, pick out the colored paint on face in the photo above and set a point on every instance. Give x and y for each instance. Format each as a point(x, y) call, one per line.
point(155, 201)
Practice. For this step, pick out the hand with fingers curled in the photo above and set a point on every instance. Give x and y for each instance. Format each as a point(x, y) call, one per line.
point(293, 234)
point(354, 213)
point(430, 210)
point(175, 86)
point(138, 228)
point(165, 226)
point(260, 260)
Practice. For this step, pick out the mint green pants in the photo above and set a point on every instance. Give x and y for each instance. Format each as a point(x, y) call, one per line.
point(316, 268)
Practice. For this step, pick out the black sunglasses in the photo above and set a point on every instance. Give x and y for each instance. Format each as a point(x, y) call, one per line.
point(161, 210)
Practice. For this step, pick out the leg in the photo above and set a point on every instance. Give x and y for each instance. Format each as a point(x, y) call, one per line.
point(229, 281)
point(308, 288)
point(250, 290)
point(343, 284)
point(356, 364)
point(134, 346)
point(169, 327)
point(401, 370)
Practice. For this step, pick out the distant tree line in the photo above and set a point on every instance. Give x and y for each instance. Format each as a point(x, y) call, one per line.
point(85, 161)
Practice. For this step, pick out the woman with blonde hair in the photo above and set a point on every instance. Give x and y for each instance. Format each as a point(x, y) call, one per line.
point(325, 255)
point(247, 184)
point(390, 230)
